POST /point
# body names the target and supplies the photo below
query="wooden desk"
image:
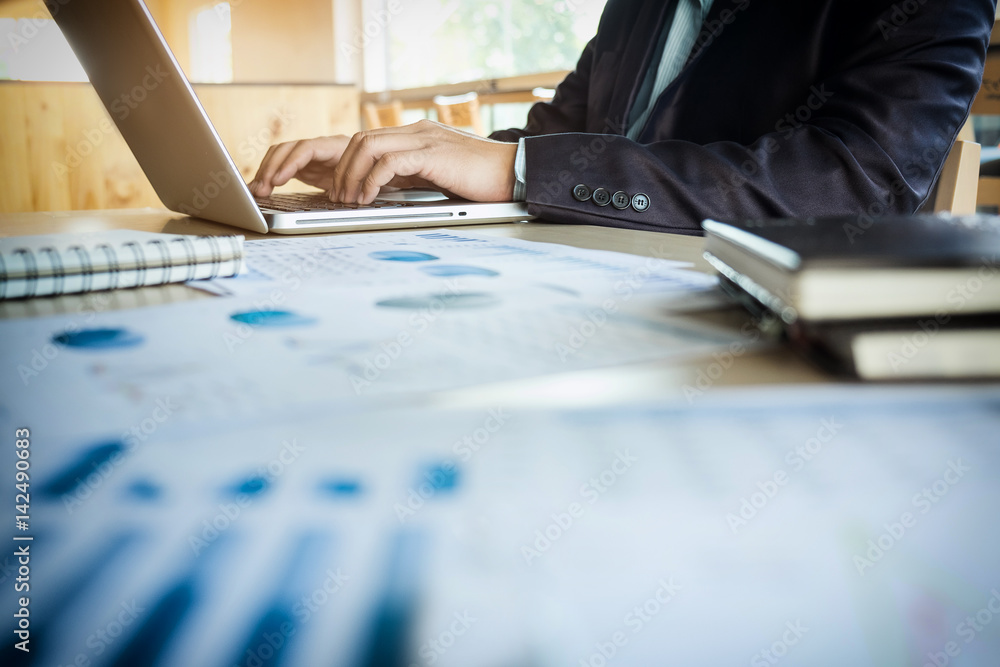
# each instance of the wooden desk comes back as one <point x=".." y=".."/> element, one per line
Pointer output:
<point x="665" y="378"/>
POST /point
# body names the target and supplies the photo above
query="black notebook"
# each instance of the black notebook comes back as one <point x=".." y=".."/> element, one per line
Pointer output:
<point x="906" y="349"/>
<point x="836" y="269"/>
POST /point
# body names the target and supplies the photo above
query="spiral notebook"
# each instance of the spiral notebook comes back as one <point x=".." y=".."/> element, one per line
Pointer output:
<point x="71" y="263"/>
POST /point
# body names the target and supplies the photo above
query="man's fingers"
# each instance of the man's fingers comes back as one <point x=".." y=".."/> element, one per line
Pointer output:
<point x="273" y="159"/>
<point x="255" y="184"/>
<point x="387" y="168"/>
<point x="371" y="144"/>
<point x="361" y="156"/>
<point x="295" y="161"/>
<point x="282" y="162"/>
<point x="336" y="189"/>
<point x="357" y="160"/>
<point x="354" y="169"/>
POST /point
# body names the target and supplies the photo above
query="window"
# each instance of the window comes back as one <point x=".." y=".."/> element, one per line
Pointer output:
<point x="212" y="45"/>
<point x="432" y="42"/>
<point x="34" y="49"/>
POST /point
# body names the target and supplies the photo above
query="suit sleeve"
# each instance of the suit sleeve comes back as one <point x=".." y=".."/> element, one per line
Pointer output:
<point x="877" y="133"/>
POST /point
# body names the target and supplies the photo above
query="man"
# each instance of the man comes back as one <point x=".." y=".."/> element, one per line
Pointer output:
<point x="687" y="109"/>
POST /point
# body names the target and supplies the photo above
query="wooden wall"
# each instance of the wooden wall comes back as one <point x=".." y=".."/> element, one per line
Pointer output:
<point x="62" y="152"/>
<point x="291" y="41"/>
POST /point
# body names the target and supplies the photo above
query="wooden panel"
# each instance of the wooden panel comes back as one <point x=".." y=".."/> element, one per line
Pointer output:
<point x="287" y="42"/>
<point x="17" y="9"/>
<point x="958" y="182"/>
<point x="251" y="118"/>
<point x="173" y="18"/>
<point x="62" y="152"/>
<point x="15" y="183"/>
<point x="45" y="127"/>
<point x="85" y="187"/>
<point x="273" y="42"/>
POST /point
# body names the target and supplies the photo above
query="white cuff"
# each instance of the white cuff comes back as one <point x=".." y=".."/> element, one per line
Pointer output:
<point x="520" y="188"/>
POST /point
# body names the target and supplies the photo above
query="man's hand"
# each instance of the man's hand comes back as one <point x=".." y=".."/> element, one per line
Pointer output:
<point x="310" y="160"/>
<point x="424" y="154"/>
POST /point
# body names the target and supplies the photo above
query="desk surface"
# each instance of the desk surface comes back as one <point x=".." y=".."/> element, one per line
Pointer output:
<point x="663" y="379"/>
<point x="337" y="500"/>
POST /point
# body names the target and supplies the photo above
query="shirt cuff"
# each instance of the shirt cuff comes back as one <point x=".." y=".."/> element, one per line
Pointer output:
<point x="519" y="168"/>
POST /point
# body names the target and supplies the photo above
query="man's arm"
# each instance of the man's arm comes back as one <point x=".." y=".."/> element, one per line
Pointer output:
<point x="352" y="169"/>
<point x="876" y="137"/>
<point x="424" y="154"/>
<point x="879" y="126"/>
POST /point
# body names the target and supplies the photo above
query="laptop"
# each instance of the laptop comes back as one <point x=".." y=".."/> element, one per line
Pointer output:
<point x="152" y="103"/>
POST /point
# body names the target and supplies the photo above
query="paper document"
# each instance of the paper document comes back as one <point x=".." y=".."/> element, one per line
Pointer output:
<point x="394" y="258"/>
<point x="833" y="526"/>
<point x="227" y="357"/>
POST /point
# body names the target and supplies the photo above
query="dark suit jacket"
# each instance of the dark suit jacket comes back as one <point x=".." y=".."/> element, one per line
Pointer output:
<point x="785" y="108"/>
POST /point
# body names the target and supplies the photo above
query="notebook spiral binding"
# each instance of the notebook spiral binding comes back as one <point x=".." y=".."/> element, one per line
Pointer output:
<point x="28" y="268"/>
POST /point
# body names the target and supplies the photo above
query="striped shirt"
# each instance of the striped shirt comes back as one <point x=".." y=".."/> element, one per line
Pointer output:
<point x="682" y="34"/>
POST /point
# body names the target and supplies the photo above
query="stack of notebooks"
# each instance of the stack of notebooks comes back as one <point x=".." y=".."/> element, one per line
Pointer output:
<point x="887" y="298"/>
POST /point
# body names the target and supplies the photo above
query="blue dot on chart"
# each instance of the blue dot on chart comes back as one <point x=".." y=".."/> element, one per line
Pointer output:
<point x="444" y="301"/>
<point x="272" y="318"/>
<point x="401" y="256"/>
<point x="143" y="489"/>
<point x="341" y="488"/>
<point x="441" y="477"/>
<point x="559" y="288"/>
<point x="94" y="460"/>
<point x="251" y="486"/>
<point x="98" y="339"/>
<point x="452" y="270"/>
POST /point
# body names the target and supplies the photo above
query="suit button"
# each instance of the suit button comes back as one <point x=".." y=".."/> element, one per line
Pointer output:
<point x="620" y="199"/>
<point x="581" y="192"/>
<point x="640" y="202"/>
<point x="601" y="197"/>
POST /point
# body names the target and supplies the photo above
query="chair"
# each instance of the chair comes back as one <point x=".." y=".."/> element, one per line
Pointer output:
<point x="382" y="115"/>
<point x="460" y="111"/>
<point x="957" y="188"/>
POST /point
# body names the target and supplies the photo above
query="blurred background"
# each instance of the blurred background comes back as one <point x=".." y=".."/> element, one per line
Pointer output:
<point x="268" y="72"/>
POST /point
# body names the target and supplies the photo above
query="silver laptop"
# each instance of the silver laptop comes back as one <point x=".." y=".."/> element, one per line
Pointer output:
<point x="154" y="107"/>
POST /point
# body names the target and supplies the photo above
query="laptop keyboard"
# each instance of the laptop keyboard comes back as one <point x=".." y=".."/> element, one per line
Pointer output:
<point x="294" y="202"/>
